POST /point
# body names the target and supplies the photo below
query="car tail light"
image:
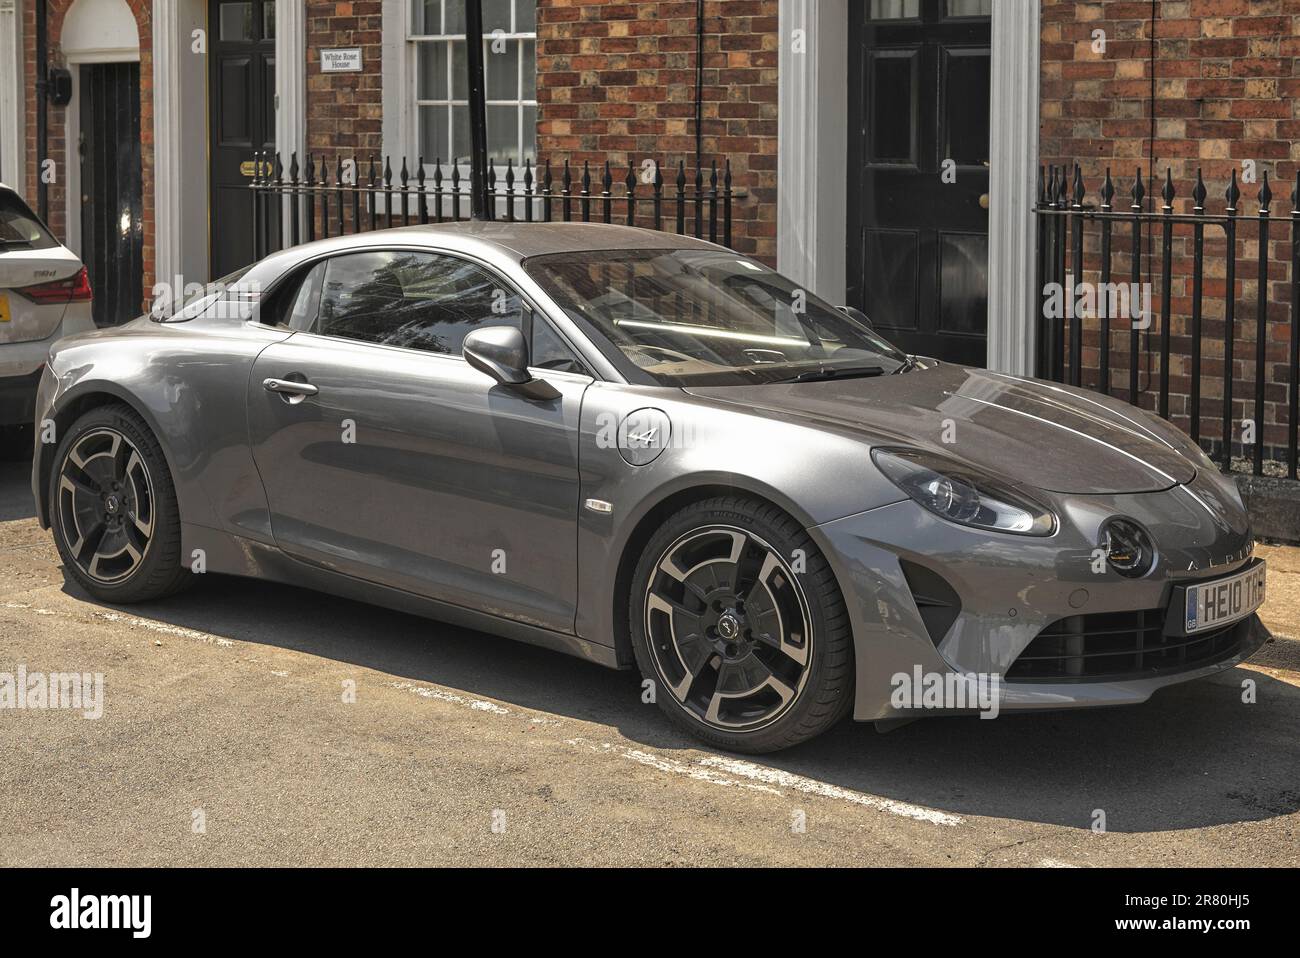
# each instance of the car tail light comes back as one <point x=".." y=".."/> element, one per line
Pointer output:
<point x="74" y="289"/>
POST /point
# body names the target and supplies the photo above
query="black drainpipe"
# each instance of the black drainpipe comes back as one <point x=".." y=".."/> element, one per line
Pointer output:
<point x="699" y="84"/>
<point x="42" y="110"/>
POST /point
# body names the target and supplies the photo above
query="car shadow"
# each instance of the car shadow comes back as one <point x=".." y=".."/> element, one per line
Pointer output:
<point x="1194" y="756"/>
<point x="16" y="500"/>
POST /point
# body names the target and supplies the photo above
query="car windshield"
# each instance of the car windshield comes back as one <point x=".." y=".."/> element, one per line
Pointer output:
<point x="708" y="317"/>
<point x="19" y="227"/>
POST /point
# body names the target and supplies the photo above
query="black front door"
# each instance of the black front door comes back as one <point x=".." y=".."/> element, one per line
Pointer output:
<point x="918" y="175"/>
<point x="112" y="218"/>
<point x="242" y="114"/>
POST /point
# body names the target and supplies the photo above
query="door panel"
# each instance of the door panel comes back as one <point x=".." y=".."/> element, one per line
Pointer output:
<point x="447" y="468"/>
<point x="112" y="211"/>
<point x="918" y="247"/>
<point x="242" y="114"/>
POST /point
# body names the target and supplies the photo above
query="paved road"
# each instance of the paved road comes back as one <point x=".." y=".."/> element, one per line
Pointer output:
<point x="227" y="705"/>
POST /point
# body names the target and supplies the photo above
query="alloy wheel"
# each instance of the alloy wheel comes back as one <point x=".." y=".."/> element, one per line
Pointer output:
<point x="729" y="628"/>
<point x="105" y="505"/>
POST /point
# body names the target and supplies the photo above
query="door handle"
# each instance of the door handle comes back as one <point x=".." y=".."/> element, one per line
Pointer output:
<point x="984" y="201"/>
<point x="290" y="391"/>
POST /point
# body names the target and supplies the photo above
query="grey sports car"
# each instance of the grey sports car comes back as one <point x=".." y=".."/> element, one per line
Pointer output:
<point x="647" y="451"/>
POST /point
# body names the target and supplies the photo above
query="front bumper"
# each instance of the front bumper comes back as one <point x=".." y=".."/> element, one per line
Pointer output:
<point x="1008" y="589"/>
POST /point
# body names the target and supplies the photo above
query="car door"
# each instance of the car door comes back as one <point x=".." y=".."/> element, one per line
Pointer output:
<point x="387" y="457"/>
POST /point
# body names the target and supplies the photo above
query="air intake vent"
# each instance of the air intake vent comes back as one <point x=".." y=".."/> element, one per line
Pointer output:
<point x="934" y="597"/>
<point x="1120" y="645"/>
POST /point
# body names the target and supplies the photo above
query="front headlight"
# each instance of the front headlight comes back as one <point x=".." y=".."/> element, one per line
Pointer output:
<point x="960" y="494"/>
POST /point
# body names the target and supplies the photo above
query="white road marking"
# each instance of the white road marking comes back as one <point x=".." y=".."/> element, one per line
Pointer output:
<point x="138" y="623"/>
<point x="478" y="705"/>
<point x="730" y="772"/>
<point x="810" y="786"/>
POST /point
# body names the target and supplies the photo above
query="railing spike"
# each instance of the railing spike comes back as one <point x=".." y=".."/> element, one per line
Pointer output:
<point x="1168" y="192"/>
<point x="586" y="177"/>
<point x="388" y="171"/>
<point x="1199" y="192"/>
<point x="1107" y="191"/>
<point x="419" y="172"/>
<point x="528" y="175"/>
<point x="510" y="173"/>
<point x="1139" y="190"/>
<point x="405" y="176"/>
<point x="659" y="176"/>
<point x="1265" y="196"/>
<point x="1079" y="191"/>
<point x="372" y="170"/>
<point x="437" y="173"/>
<point x="1233" y="194"/>
<point x="607" y="181"/>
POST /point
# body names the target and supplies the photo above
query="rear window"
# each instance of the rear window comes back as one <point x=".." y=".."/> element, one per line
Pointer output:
<point x="19" y="227"/>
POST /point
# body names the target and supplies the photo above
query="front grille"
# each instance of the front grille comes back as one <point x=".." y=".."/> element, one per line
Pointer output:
<point x="1120" y="645"/>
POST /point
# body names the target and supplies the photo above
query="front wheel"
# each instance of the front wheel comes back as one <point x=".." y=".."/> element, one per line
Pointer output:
<point x="737" y="619"/>
<point x="113" y="509"/>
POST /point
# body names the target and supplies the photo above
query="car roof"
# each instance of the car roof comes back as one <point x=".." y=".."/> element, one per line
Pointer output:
<point x="492" y="241"/>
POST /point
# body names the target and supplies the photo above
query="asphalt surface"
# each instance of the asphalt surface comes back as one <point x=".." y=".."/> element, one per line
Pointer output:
<point x="225" y="707"/>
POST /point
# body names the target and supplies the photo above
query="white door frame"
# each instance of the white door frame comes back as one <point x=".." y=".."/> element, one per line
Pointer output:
<point x="181" y="156"/>
<point x="812" y="175"/>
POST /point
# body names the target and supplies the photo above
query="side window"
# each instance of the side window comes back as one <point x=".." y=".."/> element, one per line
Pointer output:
<point x="415" y="300"/>
<point x="549" y="351"/>
<point x="302" y="311"/>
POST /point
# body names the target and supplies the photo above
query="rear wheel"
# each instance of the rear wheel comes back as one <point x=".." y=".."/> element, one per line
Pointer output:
<point x="113" y="509"/>
<point x="737" y="618"/>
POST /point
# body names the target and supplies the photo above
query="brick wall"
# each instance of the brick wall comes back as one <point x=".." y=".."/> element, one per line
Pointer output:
<point x="617" y="81"/>
<point x="1221" y="85"/>
<point x="57" y="120"/>
<point x="344" y="110"/>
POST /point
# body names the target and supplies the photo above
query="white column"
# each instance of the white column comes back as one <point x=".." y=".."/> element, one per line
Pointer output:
<point x="290" y="89"/>
<point x="13" y="139"/>
<point x="812" y="145"/>
<point x="180" y="150"/>
<point x="1013" y="327"/>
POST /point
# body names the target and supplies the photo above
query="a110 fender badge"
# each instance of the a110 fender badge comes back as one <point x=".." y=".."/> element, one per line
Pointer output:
<point x="643" y="435"/>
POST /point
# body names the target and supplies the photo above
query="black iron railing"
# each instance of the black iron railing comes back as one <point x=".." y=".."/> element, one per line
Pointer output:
<point x="317" y="202"/>
<point x="1132" y="232"/>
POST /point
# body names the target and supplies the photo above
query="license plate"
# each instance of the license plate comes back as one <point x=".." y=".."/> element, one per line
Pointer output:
<point x="4" y="308"/>
<point x="1210" y="605"/>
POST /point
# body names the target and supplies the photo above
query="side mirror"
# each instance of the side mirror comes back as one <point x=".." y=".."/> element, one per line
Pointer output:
<point x="854" y="313"/>
<point x="499" y="351"/>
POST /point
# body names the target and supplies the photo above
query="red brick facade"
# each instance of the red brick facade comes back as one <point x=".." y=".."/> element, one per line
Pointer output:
<point x="345" y="111"/>
<point x="1219" y="81"/>
<point x="617" y="81"/>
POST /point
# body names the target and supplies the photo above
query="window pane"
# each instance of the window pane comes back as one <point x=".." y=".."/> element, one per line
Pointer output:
<point x="433" y="133"/>
<point x="412" y="300"/>
<point x="432" y="71"/>
<point x="502" y="72"/>
<point x="496" y="15"/>
<point x="530" y="133"/>
<point x="525" y="16"/>
<point x="550" y="352"/>
<point x="895" y="9"/>
<point x="503" y="133"/>
<point x="459" y="71"/>
<point x="236" y="21"/>
<point x="268" y="20"/>
<point x="966" y="112"/>
<point x="455" y="17"/>
<point x="530" y="69"/>
<point x="460" y="142"/>
<point x="970" y="8"/>
<point x="426" y="17"/>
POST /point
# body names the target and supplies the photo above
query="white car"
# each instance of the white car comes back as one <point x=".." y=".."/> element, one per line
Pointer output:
<point x="44" y="296"/>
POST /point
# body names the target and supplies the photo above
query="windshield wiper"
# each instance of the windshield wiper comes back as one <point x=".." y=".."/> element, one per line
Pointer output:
<point x="831" y="372"/>
<point x="909" y="363"/>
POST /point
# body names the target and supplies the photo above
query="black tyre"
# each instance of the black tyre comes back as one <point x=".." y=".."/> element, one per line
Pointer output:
<point x="737" y="618"/>
<point x="113" y="509"/>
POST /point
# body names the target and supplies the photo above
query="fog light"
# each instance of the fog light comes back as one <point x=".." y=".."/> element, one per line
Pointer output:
<point x="1128" y="548"/>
